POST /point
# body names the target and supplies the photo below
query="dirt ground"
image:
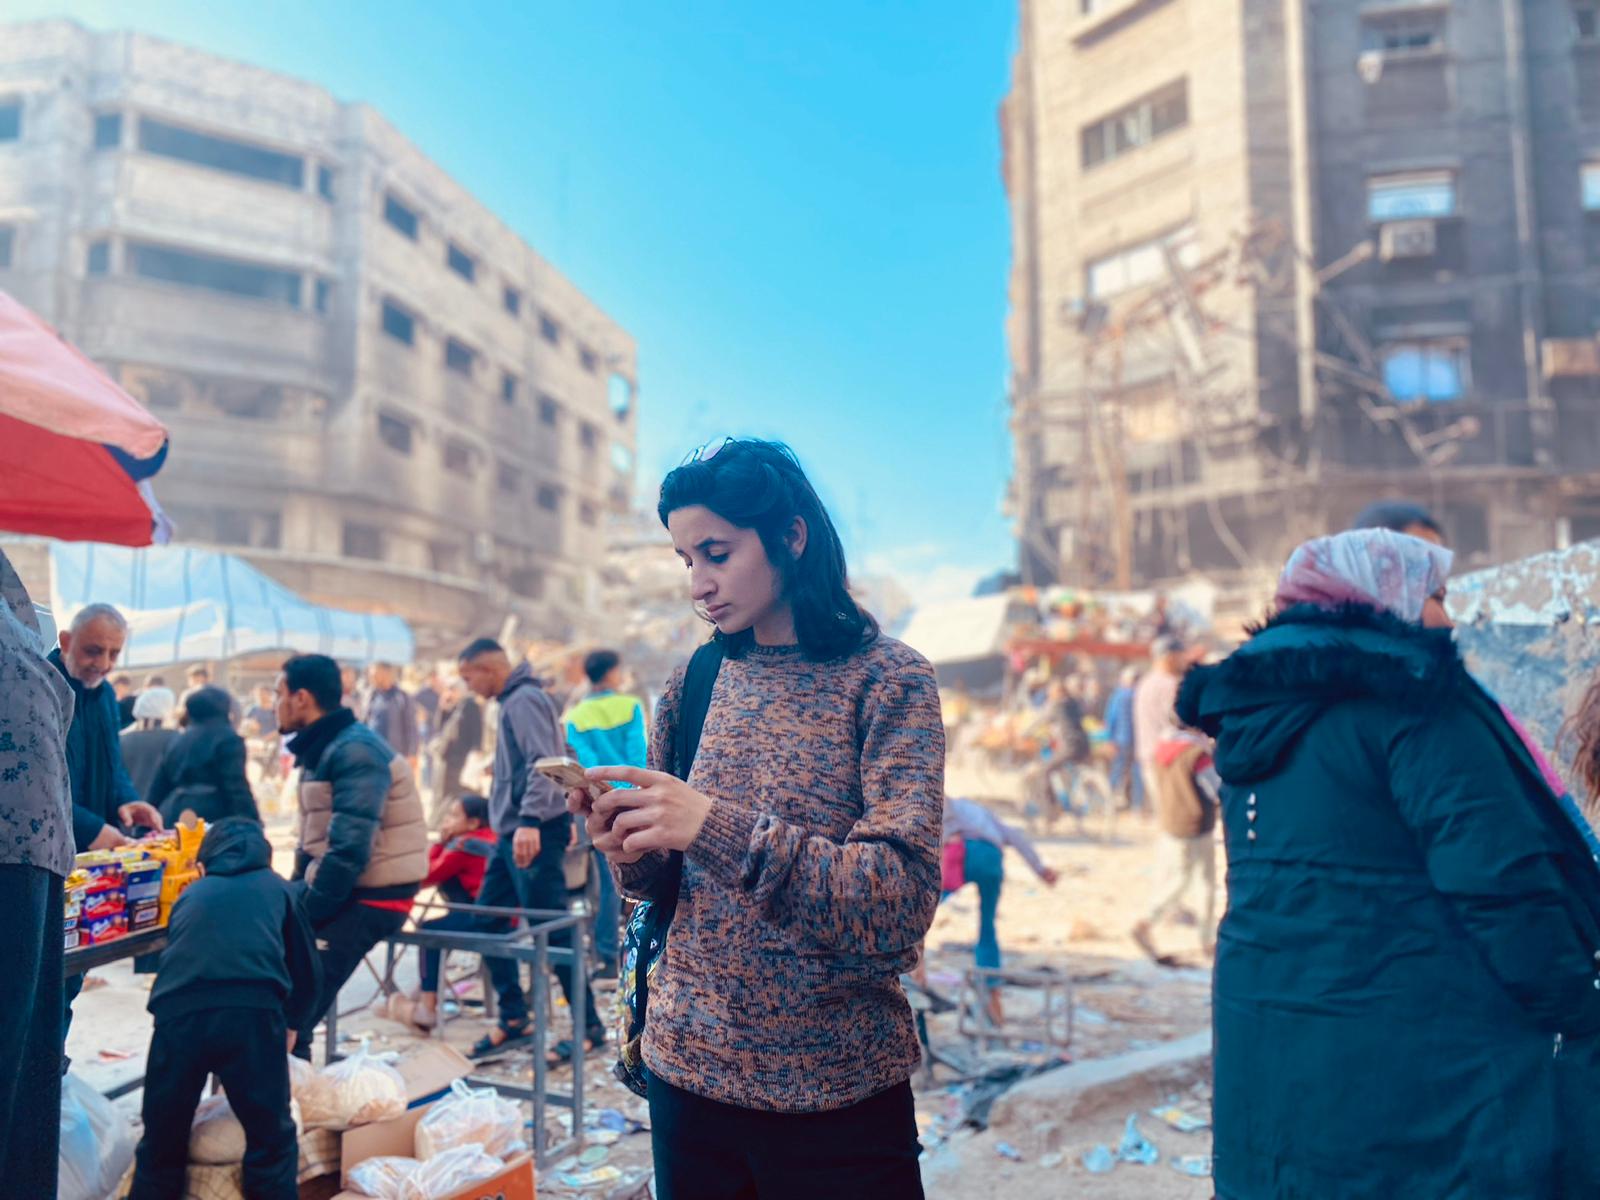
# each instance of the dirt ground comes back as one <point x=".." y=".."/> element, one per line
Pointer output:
<point x="1073" y="934"/>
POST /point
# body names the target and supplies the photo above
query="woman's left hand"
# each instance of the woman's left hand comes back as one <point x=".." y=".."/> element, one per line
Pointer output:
<point x="659" y="812"/>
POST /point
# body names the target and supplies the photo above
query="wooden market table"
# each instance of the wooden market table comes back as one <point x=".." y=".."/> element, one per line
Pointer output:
<point x="130" y="945"/>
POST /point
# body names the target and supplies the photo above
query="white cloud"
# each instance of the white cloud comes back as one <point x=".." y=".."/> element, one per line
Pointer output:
<point x="925" y="575"/>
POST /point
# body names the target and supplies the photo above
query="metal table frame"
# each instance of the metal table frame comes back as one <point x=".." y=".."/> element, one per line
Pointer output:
<point x="529" y="943"/>
<point x="83" y="959"/>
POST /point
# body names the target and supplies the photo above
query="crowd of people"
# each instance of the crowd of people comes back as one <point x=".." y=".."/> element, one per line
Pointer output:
<point x="1407" y="996"/>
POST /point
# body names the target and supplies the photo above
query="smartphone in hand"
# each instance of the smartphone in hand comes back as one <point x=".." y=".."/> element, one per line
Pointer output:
<point x="569" y="773"/>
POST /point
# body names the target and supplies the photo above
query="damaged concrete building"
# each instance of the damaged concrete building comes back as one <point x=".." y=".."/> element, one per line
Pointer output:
<point x="1274" y="259"/>
<point x="377" y="392"/>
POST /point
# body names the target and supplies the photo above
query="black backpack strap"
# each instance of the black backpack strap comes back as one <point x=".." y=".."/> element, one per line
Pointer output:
<point x="698" y="681"/>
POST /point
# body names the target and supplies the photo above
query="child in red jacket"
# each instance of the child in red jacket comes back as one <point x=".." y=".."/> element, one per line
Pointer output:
<point x="455" y="866"/>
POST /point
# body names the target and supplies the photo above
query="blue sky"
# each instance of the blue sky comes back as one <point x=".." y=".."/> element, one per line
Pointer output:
<point x="796" y="209"/>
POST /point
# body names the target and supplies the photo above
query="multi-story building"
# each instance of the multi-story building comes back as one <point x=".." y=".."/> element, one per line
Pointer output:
<point x="376" y="391"/>
<point x="1274" y="259"/>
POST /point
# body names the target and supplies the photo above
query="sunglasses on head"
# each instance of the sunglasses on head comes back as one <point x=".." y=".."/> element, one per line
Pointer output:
<point x="707" y="452"/>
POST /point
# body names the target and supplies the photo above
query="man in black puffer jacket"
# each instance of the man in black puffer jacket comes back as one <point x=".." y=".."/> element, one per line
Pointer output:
<point x="203" y="771"/>
<point x="363" y="845"/>
<point x="239" y="975"/>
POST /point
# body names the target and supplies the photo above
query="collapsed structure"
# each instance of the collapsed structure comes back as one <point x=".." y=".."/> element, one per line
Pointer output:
<point x="1275" y="260"/>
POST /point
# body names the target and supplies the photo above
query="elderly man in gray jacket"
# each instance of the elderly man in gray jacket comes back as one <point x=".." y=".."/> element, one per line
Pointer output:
<point x="35" y="858"/>
<point x="529" y="815"/>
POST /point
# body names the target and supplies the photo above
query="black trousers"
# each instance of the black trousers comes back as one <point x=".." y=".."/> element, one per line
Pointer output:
<point x="341" y="945"/>
<point x="244" y="1047"/>
<point x="705" y="1150"/>
<point x="542" y="885"/>
<point x="30" y="1030"/>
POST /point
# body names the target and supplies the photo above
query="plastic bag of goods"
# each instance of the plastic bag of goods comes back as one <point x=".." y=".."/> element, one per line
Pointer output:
<point x="363" y="1089"/>
<point x="471" y="1115"/>
<point x="97" y="1143"/>
<point x="217" y="1137"/>
<point x="441" y="1177"/>
<point x="381" y="1177"/>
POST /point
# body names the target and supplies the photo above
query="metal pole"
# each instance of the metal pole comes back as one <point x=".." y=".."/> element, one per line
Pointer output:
<point x="1302" y="183"/>
<point x="1530" y="282"/>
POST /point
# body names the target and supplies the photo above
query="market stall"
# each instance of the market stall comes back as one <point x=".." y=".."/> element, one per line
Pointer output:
<point x="185" y="605"/>
<point x="76" y="451"/>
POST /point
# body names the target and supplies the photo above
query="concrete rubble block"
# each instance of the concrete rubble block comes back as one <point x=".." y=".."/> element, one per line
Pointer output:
<point x="1033" y="1113"/>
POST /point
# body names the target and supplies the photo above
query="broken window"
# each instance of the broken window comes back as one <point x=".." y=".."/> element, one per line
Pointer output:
<point x="462" y="263"/>
<point x="459" y="357"/>
<point x="512" y="300"/>
<point x="589" y="360"/>
<point x="1139" y="124"/>
<point x="10" y="120"/>
<point x="508" y="387"/>
<point x="362" y="541"/>
<point x="8" y="243"/>
<point x="107" y="131"/>
<point x="620" y="392"/>
<point x="1426" y="371"/>
<point x="549" y="329"/>
<point x="221" y="153"/>
<point x="1403" y="34"/>
<point x="325" y="183"/>
<point x="399" y="217"/>
<point x="458" y="458"/>
<point x="1409" y="197"/>
<point x="549" y="410"/>
<point x="99" y="262"/>
<point x="398" y="323"/>
<point x="189" y="269"/>
<point x="445" y="557"/>
<point x="527" y="582"/>
<point x="395" y="433"/>
<point x="549" y="497"/>
<point x="1140" y="264"/>
<point x="588" y="435"/>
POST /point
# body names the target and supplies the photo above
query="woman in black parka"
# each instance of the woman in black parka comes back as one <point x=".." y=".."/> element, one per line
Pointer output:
<point x="204" y="770"/>
<point x="1407" y="994"/>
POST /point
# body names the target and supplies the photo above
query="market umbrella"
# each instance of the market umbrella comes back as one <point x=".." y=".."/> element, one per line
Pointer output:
<point x="76" y="451"/>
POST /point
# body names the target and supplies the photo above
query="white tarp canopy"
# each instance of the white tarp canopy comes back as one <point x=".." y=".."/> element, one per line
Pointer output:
<point x="956" y="631"/>
<point x="184" y="604"/>
<point x="1544" y="590"/>
<point x="1530" y="631"/>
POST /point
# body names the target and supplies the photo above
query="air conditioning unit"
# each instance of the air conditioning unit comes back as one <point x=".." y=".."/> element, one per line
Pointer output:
<point x="1408" y="239"/>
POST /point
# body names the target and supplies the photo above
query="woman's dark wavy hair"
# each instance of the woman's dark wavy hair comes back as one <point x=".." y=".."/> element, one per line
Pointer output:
<point x="759" y="485"/>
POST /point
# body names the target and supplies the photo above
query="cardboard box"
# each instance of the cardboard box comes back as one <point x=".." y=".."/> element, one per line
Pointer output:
<point x="428" y="1069"/>
<point x="398" y="1138"/>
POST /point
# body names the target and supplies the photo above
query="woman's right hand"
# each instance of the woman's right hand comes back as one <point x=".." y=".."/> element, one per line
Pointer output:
<point x="608" y="841"/>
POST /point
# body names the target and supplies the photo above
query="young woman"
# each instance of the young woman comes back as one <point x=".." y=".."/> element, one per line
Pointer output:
<point x="1407" y="997"/>
<point x="778" y="1042"/>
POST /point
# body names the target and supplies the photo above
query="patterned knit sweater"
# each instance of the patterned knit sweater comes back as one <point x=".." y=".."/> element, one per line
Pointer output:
<point x="807" y="891"/>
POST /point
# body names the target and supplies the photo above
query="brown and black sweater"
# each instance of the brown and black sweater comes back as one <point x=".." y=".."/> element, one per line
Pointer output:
<point x="806" y="893"/>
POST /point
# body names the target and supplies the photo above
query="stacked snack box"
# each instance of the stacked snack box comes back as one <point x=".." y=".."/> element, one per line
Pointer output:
<point x="111" y="893"/>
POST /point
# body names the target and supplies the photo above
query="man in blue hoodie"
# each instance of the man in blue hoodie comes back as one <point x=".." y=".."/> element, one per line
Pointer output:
<point x="607" y="729"/>
<point x="239" y="976"/>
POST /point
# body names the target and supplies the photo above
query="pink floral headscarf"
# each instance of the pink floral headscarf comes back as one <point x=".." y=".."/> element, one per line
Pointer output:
<point x="1390" y="571"/>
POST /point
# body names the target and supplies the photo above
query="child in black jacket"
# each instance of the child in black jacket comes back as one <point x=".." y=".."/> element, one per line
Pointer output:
<point x="239" y="974"/>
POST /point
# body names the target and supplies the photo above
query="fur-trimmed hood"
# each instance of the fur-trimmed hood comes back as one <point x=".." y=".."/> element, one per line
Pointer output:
<point x="1259" y="701"/>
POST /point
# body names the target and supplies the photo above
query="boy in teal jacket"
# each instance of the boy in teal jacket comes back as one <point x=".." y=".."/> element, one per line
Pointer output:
<point x="607" y="729"/>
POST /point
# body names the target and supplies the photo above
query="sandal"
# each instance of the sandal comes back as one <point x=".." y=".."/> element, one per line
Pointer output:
<point x="562" y="1053"/>
<point x="516" y="1037"/>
